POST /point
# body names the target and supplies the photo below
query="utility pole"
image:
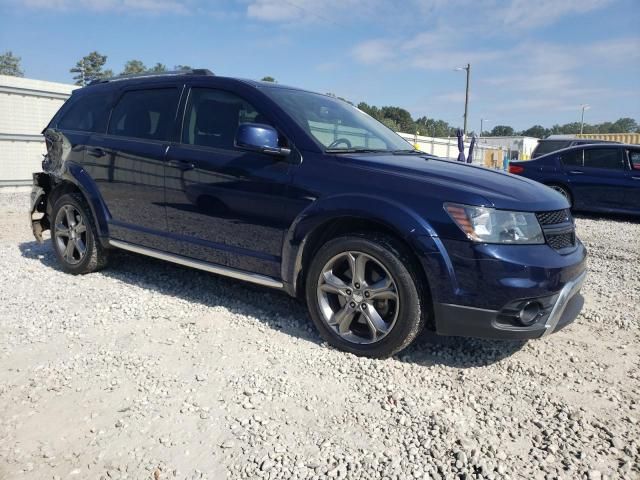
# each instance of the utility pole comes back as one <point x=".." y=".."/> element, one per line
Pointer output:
<point x="467" y="67"/>
<point x="585" y="106"/>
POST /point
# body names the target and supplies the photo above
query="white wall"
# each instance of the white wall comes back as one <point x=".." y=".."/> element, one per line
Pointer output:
<point x="445" y="147"/>
<point x="26" y="106"/>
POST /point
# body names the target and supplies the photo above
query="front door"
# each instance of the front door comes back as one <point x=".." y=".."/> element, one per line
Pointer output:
<point x="225" y="205"/>
<point x="128" y="164"/>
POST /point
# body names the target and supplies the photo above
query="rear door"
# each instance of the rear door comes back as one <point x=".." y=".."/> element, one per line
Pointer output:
<point x="129" y="163"/>
<point x="597" y="178"/>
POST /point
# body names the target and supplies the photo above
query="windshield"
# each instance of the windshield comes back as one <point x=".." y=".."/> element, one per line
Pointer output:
<point x="335" y="124"/>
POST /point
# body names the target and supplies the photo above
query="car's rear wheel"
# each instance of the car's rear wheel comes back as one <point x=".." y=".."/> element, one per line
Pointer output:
<point x="562" y="191"/>
<point x="74" y="237"/>
<point x="363" y="295"/>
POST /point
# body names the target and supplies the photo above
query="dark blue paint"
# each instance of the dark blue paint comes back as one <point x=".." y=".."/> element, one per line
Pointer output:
<point x="255" y="211"/>
<point x="256" y="136"/>
<point x="591" y="189"/>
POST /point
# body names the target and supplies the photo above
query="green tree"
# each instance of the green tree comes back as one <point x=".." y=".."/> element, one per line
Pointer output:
<point x="431" y="127"/>
<point x="401" y="117"/>
<point x="502" y="131"/>
<point x="10" y="64"/>
<point x="158" y="68"/>
<point x="133" y="67"/>
<point x="181" y="68"/>
<point x="268" y="79"/>
<point x="91" y="65"/>
<point x="390" y="123"/>
<point x="625" y="125"/>
<point x="537" y="131"/>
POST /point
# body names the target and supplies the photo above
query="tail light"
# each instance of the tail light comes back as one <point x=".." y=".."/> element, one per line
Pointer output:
<point x="517" y="169"/>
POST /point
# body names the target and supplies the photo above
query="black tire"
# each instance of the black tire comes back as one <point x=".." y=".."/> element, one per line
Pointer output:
<point x="95" y="256"/>
<point x="411" y="311"/>
<point x="564" y="192"/>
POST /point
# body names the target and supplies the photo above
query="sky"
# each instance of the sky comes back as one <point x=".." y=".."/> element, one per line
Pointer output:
<point x="532" y="61"/>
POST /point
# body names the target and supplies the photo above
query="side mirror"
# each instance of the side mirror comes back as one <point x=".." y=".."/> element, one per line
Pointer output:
<point x="259" y="137"/>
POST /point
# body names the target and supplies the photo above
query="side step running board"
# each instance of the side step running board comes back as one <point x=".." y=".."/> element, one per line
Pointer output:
<point x="207" y="267"/>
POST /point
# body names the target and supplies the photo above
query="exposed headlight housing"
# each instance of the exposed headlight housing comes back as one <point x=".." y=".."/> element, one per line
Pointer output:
<point x="488" y="225"/>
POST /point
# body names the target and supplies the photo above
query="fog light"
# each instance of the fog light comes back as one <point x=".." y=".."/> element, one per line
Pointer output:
<point x="530" y="313"/>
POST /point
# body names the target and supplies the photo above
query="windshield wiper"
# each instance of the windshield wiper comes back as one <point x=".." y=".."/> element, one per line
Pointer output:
<point x="355" y="150"/>
<point x="411" y="151"/>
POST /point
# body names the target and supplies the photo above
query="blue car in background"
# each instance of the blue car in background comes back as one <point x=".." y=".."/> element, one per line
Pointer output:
<point x="596" y="177"/>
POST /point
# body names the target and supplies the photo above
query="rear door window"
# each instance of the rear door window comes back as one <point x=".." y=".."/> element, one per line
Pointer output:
<point x="572" y="158"/>
<point x="607" y="158"/>
<point x="634" y="159"/>
<point x="89" y="113"/>
<point x="146" y="114"/>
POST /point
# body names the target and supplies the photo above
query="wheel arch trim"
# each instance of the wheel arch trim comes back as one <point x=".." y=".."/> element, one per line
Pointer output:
<point x="386" y="213"/>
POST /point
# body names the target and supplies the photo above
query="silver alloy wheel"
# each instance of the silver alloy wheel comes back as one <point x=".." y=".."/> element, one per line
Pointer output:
<point x="358" y="297"/>
<point x="70" y="234"/>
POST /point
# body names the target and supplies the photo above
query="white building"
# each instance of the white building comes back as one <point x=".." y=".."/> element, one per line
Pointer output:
<point x="517" y="147"/>
<point x="26" y="106"/>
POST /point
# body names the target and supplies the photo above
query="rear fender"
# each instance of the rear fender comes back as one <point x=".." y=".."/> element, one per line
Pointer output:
<point x="62" y="175"/>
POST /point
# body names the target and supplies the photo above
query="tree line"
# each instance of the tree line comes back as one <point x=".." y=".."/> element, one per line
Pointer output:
<point x="92" y="67"/>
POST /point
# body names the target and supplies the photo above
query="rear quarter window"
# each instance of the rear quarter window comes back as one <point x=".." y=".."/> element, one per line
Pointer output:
<point x="88" y="113"/>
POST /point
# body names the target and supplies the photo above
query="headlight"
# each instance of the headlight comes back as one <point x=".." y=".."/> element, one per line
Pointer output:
<point x="488" y="225"/>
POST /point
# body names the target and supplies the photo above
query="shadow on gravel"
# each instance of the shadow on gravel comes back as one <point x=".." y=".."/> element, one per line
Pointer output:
<point x="273" y="308"/>
<point x="616" y="217"/>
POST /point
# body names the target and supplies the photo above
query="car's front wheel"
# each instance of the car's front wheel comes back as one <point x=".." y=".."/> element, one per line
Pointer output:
<point x="364" y="296"/>
<point x="74" y="237"/>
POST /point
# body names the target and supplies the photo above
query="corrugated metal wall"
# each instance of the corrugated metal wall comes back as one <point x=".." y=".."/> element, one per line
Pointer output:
<point x="630" y="138"/>
<point x="26" y="106"/>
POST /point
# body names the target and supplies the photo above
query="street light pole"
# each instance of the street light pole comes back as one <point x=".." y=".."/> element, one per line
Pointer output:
<point x="585" y="106"/>
<point x="467" y="67"/>
<point x="482" y="125"/>
<point x="466" y="99"/>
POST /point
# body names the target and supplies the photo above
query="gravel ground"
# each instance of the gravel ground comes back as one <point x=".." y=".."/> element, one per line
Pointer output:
<point x="152" y="371"/>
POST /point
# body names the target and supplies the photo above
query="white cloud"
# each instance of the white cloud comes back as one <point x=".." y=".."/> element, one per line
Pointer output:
<point x="305" y="11"/>
<point x="135" y="6"/>
<point x="528" y="14"/>
<point x="374" y="51"/>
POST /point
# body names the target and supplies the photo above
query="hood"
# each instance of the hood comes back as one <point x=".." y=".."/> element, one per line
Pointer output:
<point x="463" y="182"/>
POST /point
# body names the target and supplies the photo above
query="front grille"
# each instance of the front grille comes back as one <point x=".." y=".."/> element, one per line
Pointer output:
<point x="561" y="240"/>
<point x="558" y="228"/>
<point x="554" y="217"/>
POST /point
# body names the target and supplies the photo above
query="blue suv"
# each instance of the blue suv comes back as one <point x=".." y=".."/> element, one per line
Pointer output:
<point x="304" y="193"/>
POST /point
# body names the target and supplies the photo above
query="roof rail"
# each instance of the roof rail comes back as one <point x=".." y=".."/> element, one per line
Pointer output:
<point x="191" y="71"/>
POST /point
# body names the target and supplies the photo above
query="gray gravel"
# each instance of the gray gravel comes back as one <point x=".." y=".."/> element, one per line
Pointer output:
<point x="153" y="371"/>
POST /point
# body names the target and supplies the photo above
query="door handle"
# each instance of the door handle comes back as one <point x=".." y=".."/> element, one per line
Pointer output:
<point x="181" y="164"/>
<point x="96" y="152"/>
<point x="636" y="178"/>
<point x="576" y="172"/>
